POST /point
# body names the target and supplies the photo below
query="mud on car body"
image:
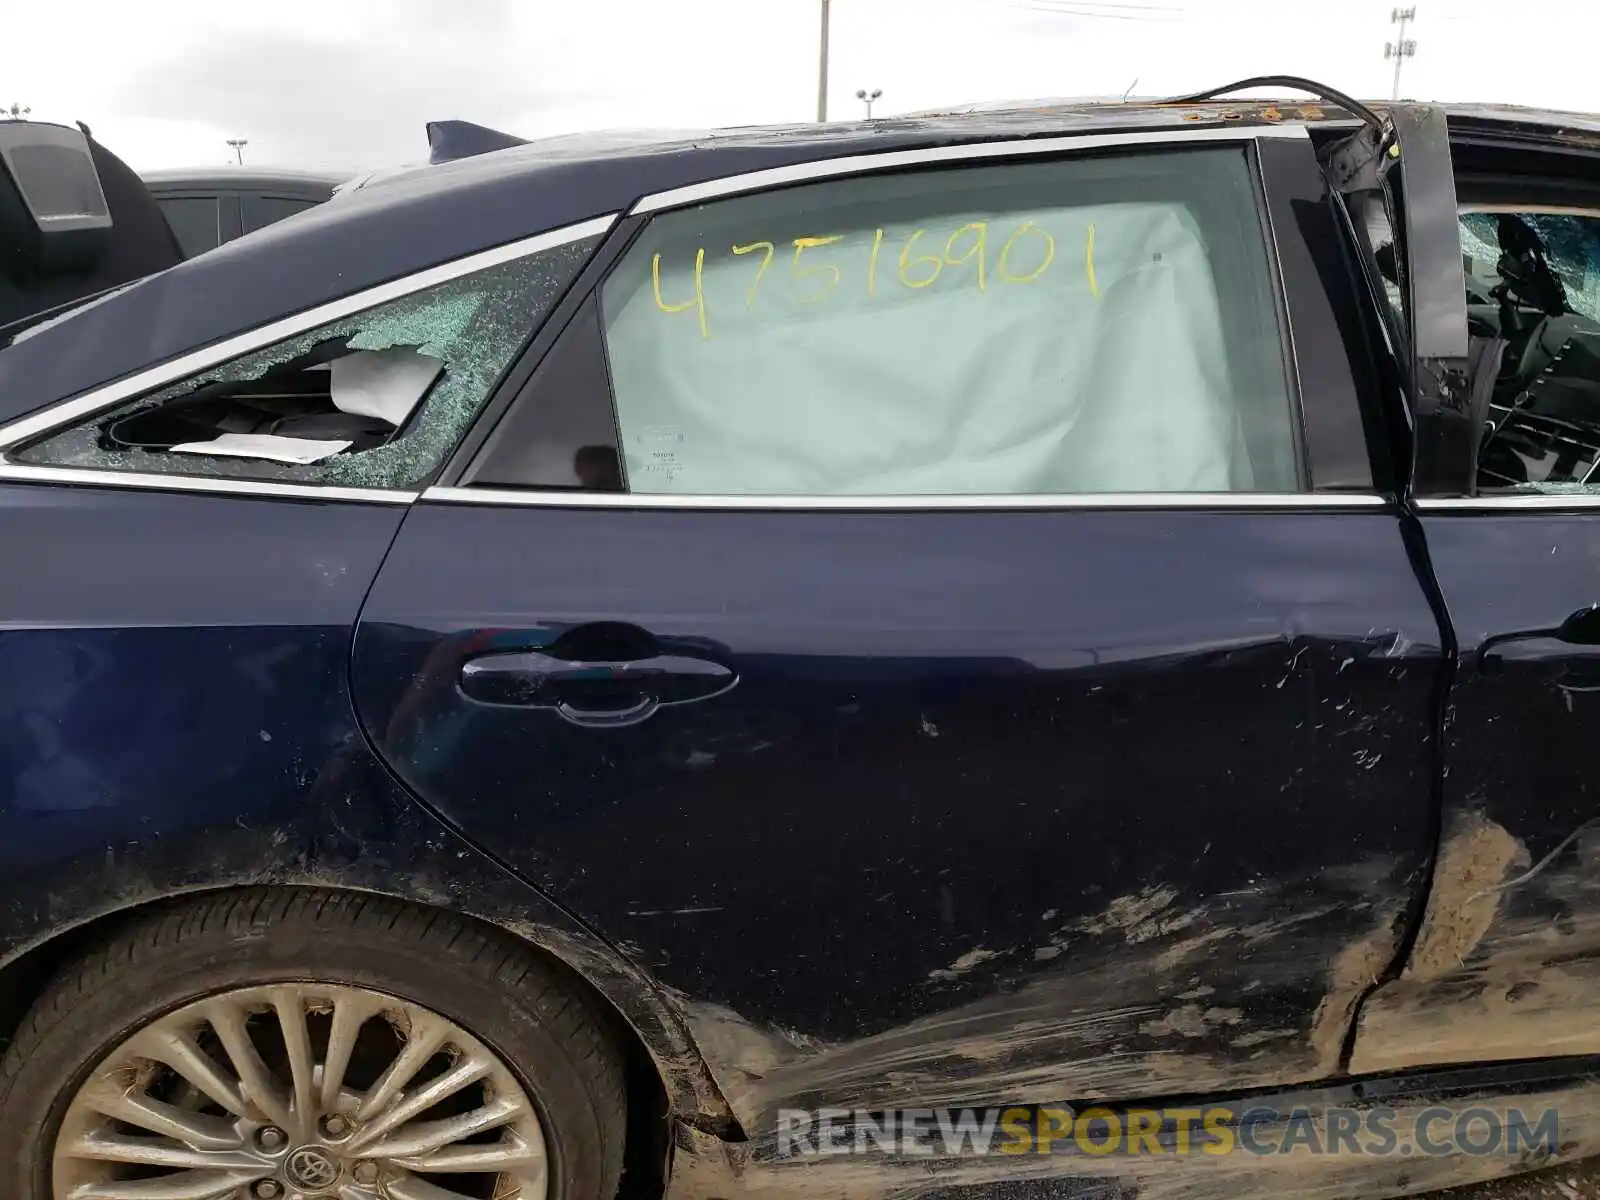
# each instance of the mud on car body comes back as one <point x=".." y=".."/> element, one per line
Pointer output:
<point x="516" y="680"/>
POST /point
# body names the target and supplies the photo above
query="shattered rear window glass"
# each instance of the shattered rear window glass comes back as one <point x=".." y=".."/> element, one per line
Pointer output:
<point x="377" y="399"/>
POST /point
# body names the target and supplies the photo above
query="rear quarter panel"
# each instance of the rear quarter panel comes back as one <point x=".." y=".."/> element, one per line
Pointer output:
<point x="175" y="716"/>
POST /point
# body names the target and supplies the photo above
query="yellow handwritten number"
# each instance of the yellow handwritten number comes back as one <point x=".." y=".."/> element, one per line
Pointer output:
<point x="801" y="245"/>
<point x="978" y="249"/>
<point x="766" y="261"/>
<point x="1002" y="266"/>
<point x="699" y="301"/>
<point x="1088" y="262"/>
<point x="906" y="260"/>
<point x="872" y="263"/>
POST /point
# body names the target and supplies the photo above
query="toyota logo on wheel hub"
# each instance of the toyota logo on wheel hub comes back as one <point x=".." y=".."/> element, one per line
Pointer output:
<point x="309" y="1167"/>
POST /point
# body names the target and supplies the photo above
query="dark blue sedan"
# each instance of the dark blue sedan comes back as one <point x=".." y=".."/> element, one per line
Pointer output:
<point x="697" y="667"/>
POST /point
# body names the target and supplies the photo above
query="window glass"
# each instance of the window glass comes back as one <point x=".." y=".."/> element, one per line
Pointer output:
<point x="1098" y="325"/>
<point x="194" y="222"/>
<point x="1533" y="284"/>
<point x="559" y="432"/>
<point x="260" y="211"/>
<point x="1373" y="214"/>
<point x="1569" y="243"/>
<point x="376" y="399"/>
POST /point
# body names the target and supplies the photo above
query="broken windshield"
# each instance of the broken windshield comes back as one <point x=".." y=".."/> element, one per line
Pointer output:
<point x="1533" y="294"/>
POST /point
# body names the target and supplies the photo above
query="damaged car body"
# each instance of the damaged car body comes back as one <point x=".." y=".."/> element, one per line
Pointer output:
<point x="520" y="681"/>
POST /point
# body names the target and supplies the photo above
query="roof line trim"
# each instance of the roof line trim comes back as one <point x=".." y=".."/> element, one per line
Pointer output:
<point x="65" y="412"/>
<point x="888" y="160"/>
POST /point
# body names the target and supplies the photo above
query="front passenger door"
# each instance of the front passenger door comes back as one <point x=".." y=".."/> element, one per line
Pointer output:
<point x="1506" y="963"/>
<point x="901" y="610"/>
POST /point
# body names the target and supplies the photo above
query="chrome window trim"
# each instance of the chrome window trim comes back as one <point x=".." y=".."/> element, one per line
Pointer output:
<point x="1536" y="502"/>
<point x="66" y="412"/>
<point x="1543" y="210"/>
<point x="91" y="477"/>
<point x="888" y="160"/>
<point x="509" y="498"/>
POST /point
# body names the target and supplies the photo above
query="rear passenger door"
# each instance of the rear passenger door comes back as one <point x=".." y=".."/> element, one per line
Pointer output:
<point x="941" y="625"/>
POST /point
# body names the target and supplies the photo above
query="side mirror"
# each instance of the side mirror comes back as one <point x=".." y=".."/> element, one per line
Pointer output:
<point x="53" y="211"/>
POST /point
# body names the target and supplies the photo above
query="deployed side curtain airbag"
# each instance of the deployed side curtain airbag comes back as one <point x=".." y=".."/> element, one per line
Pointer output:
<point x="1054" y="350"/>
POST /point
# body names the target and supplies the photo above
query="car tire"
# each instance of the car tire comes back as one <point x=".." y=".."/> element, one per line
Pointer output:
<point x="230" y="949"/>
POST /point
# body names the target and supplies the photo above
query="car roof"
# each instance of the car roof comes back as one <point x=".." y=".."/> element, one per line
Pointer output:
<point x="207" y="178"/>
<point x="411" y="219"/>
<point x="1523" y="115"/>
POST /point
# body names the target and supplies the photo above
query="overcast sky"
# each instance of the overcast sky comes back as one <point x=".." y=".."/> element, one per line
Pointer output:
<point x="349" y="83"/>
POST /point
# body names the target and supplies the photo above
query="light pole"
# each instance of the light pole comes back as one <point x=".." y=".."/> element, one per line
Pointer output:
<point x="867" y="98"/>
<point x="238" y="145"/>
<point x="1402" y="48"/>
<point x="822" y="67"/>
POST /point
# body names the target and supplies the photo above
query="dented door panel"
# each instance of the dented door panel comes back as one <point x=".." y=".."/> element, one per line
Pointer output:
<point x="1507" y="962"/>
<point x="1003" y="805"/>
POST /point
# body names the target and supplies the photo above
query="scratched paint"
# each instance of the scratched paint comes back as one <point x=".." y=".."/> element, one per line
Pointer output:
<point x="705" y="1169"/>
<point x="1208" y="1002"/>
<point x="1507" y="963"/>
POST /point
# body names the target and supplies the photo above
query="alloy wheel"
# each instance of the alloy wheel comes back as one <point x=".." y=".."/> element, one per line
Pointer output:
<point x="301" y="1091"/>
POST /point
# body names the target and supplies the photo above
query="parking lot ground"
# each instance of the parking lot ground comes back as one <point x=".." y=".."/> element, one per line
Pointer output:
<point x="1571" y="1182"/>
